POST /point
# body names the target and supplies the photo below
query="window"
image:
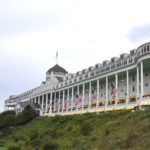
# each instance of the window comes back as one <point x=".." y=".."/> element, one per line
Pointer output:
<point x="92" y="74"/>
<point x="125" y="62"/>
<point x="101" y="86"/>
<point x="130" y="60"/>
<point x="119" y="64"/>
<point x="132" y="52"/>
<point x="112" y="66"/>
<point x="146" y="74"/>
<point x="144" y="48"/>
<point x="80" y="78"/>
<point x="96" y="66"/>
<point x="146" y="84"/>
<point x="122" y="56"/>
<point x="133" y="89"/>
<point x="112" y="60"/>
<point x="133" y="79"/>
<point x="147" y="47"/>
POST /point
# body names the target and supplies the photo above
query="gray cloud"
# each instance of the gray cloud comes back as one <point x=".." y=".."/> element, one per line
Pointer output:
<point x="22" y="17"/>
<point x="19" y="24"/>
<point x="139" y="32"/>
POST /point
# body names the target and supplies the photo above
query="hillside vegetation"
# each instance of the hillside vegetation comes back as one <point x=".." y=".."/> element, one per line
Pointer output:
<point x="122" y="130"/>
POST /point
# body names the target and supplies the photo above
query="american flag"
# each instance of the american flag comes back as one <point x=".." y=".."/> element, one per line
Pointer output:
<point x="77" y="99"/>
<point x="113" y="92"/>
<point x="65" y="103"/>
<point x="48" y="105"/>
<point x="93" y="95"/>
<point x="57" y="103"/>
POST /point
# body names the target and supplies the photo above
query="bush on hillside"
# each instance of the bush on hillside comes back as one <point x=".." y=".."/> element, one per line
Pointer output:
<point x="26" y="116"/>
<point x="7" y="119"/>
<point x="13" y="147"/>
<point x="50" y="146"/>
<point x="86" y="128"/>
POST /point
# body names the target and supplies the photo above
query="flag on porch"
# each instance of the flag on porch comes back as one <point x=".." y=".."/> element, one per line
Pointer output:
<point x="93" y="95"/>
<point x="65" y="103"/>
<point x="113" y="91"/>
<point x="77" y="100"/>
<point x="57" y="103"/>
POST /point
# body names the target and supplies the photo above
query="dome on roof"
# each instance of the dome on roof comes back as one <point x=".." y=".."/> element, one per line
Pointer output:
<point x="57" y="68"/>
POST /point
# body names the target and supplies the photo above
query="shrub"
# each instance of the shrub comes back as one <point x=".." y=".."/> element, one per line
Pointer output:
<point x="33" y="134"/>
<point x="7" y="119"/>
<point x="26" y="116"/>
<point x="14" y="147"/>
<point x="50" y="146"/>
<point x="86" y="128"/>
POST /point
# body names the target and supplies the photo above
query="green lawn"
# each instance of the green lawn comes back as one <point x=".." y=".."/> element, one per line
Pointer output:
<point x="3" y="148"/>
<point x="122" y="130"/>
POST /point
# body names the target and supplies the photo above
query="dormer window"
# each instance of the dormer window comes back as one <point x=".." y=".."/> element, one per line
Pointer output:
<point x="132" y="52"/>
<point x="112" y="60"/>
<point x="104" y="63"/>
<point x="147" y="47"/>
<point x="96" y="66"/>
<point x="89" y="68"/>
<point x="144" y="48"/>
<point x="122" y="56"/>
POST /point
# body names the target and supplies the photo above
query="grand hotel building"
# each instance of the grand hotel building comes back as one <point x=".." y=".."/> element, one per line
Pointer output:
<point x="121" y="83"/>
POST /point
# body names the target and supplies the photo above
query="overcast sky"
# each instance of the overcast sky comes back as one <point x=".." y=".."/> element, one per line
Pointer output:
<point x="84" y="32"/>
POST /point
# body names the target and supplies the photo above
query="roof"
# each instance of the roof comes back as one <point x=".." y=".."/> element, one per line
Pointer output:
<point x="23" y="104"/>
<point x="59" y="79"/>
<point x="57" y="68"/>
<point x="35" y="105"/>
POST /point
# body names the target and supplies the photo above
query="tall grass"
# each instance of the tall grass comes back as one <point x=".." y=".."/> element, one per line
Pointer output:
<point x="122" y="130"/>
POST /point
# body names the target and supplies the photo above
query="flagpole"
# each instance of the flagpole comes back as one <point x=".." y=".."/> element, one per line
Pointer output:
<point x="57" y="60"/>
<point x="57" y="57"/>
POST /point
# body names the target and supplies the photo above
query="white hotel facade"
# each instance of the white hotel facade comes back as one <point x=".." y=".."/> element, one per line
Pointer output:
<point x="90" y="90"/>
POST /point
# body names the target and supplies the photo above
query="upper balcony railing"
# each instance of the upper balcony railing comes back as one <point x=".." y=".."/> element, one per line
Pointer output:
<point x="109" y="66"/>
<point x="143" y="49"/>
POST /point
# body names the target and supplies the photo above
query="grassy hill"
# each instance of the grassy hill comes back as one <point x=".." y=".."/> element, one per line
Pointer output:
<point x="121" y="130"/>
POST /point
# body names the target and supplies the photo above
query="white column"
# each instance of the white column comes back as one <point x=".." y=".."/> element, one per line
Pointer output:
<point x="78" y="90"/>
<point x="137" y="78"/>
<point x="106" y="103"/>
<point x="89" y="95"/>
<point x="55" y="102"/>
<point x="51" y="97"/>
<point x="78" y="95"/>
<point x="42" y="104"/>
<point x="72" y="98"/>
<point x="83" y="96"/>
<point x="63" y="101"/>
<point x="68" y="99"/>
<point x="59" y="103"/>
<point x="142" y="88"/>
<point x="38" y="99"/>
<point x="116" y="80"/>
<point x="97" y="97"/>
<point x="127" y="96"/>
<point x="46" y="103"/>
